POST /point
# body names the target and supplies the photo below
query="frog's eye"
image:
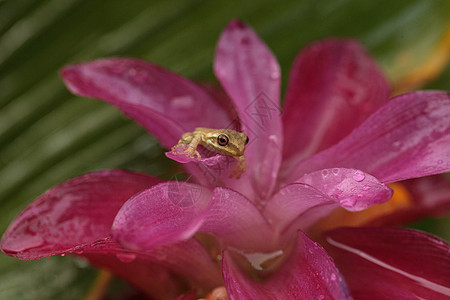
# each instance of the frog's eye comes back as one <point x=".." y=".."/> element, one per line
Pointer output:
<point x="246" y="141"/>
<point x="222" y="140"/>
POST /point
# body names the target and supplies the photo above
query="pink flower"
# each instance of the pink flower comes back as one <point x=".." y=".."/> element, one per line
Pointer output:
<point x="338" y="142"/>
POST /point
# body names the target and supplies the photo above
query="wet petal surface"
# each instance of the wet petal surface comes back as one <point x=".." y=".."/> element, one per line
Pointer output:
<point x="406" y="138"/>
<point x="316" y="195"/>
<point x="73" y="214"/>
<point x="166" y="104"/>
<point x="385" y="263"/>
<point x="167" y="213"/>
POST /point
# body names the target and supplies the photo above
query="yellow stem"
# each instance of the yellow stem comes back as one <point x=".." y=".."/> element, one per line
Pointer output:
<point x="100" y="286"/>
<point x="429" y="69"/>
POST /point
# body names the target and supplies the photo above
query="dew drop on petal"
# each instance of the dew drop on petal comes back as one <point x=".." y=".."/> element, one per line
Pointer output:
<point x="333" y="277"/>
<point x="126" y="257"/>
<point x="335" y="171"/>
<point x="359" y="176"/>
<point x="63" y="254"/>
<point x="324" y="173"/>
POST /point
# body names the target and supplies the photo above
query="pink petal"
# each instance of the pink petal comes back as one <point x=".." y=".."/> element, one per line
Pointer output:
<point x="251" y="76"/>
<point x="165" y="214"/>
<point x="175" y="211"/>
<point x="73" y="214"/>
<point x="406" y="138"/>
<point x="237" y="222"/>
<point x="166" y="104"/>
<point x="352" y="189"/>
<point x="309" y="273"/>
<point x="391" y="263"/>
<point x="334" y="85"/>
<point x="315" y="195"/>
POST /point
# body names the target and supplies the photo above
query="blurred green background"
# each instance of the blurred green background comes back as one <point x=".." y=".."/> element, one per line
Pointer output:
<point x="47" y="135"/>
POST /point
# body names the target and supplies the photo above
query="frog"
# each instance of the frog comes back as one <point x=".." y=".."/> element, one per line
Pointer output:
<point x="223" y="141"/>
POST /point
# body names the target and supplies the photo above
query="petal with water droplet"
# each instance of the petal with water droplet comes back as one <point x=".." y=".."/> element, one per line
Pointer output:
<point x="75" y="213"/>
<point x="316" y="195"/>
<point x="418" y="121"/>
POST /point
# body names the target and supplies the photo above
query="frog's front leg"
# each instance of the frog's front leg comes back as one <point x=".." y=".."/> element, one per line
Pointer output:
<point x="240" y="167"/>
<point x="189" y="143"/>
<point x="192" y="147"/>
<point x="185" y="140"/>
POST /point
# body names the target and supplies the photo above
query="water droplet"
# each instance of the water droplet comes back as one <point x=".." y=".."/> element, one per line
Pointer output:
<point x="126" y="257"/>
<point x="440" y="161"/>
<point x="63" y="254"/>
<point x="335" y="171"/>
<point x="325" y="173"/>
<point x="366" y="188"/>
<point x="333" y="277"/>
<point x="359" y="176"/>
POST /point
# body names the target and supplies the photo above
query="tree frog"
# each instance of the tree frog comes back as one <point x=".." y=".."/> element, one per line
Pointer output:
<point x="223" y="141"/>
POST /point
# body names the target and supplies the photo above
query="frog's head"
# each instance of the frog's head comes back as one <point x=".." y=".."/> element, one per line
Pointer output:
<point x="227" y="141"/>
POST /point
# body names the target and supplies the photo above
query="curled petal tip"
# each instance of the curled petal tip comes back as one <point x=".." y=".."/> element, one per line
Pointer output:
<point x="236" y="24"/>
